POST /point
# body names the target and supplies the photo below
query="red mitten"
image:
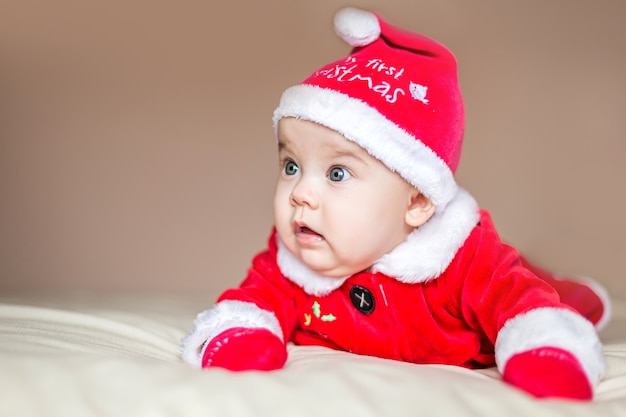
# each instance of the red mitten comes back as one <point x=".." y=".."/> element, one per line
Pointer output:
<point x="548" y="372"/>
<point x="243" y="349"/>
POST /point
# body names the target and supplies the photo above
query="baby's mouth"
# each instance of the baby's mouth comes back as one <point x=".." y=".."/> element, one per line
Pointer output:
<point x="303" y="232"/>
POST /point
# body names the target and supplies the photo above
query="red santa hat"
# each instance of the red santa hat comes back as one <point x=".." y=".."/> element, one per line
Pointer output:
<point x="396" y="95"/>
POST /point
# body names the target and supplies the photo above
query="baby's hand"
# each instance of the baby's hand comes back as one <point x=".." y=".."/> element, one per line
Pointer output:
<point x="242" y="349"/>
<point x="548" y="372"/>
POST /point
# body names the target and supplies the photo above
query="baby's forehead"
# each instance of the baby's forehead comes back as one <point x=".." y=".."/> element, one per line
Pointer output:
<point x="296" y="135"/>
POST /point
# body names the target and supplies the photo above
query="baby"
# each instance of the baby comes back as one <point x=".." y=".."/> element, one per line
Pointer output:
<point x="375" y="248"/>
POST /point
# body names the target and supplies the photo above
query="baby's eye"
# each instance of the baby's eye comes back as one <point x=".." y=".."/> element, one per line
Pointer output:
<point x="291" y="168"/>
<point x="338" y="174"/>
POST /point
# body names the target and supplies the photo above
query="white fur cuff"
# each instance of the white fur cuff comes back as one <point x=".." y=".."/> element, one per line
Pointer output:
<point x="553" y="327"/>
<point x="225" y="315"/>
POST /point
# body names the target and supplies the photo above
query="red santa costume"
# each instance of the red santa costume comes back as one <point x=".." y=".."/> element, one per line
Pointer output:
<point x="452" y="292"/>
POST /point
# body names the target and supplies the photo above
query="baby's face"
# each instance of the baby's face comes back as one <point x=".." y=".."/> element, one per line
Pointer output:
<point x="336" y="208"/>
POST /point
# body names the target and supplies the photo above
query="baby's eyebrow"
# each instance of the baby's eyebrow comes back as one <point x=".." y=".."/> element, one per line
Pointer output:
<point x="330" y="152"/>
<point x="344" y="153"/>
<point x="282" y="146"/>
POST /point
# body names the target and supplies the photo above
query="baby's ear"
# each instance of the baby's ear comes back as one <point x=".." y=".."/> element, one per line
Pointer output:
<point x="419" y="210"/>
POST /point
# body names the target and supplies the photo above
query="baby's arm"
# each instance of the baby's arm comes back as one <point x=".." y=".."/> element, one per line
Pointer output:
<point x="548" y="349"/>
<point x="248" y="326"/>
<point x="541" y="345"/>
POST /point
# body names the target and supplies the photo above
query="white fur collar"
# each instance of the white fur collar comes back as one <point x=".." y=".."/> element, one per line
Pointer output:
<point x="423" y="256"/>
<point x="299" y="273"/>
<point x="428" y="250"/>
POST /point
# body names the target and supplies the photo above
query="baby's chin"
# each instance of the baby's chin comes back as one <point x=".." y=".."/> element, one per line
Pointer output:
<point x="314" y="260"/>
<point x="338" y="272"/>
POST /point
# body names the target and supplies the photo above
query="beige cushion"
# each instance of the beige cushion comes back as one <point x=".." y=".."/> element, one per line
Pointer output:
<point x="118" y="355"/>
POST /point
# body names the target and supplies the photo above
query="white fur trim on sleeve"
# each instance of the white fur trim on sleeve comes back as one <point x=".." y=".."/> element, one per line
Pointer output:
<point x="554" y="327"/>
<point x="225" y="315"/>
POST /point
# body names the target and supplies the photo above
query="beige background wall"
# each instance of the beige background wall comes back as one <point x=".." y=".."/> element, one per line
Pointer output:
<point x="136" y="149"/>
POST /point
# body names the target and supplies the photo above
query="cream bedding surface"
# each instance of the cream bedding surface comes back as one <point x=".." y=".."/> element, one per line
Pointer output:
<point x="118" y="355"/>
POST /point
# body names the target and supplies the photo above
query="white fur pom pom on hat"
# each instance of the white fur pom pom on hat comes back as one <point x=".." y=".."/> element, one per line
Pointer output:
<point x="356" y="27"/>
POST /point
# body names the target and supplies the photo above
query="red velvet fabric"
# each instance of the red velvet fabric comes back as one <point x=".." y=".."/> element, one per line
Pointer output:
<point x="548" y="372"/>
<point x="453" y="319"/>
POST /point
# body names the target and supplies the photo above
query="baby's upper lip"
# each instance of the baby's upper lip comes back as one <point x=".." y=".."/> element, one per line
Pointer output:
<point x="302" y="227"/>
